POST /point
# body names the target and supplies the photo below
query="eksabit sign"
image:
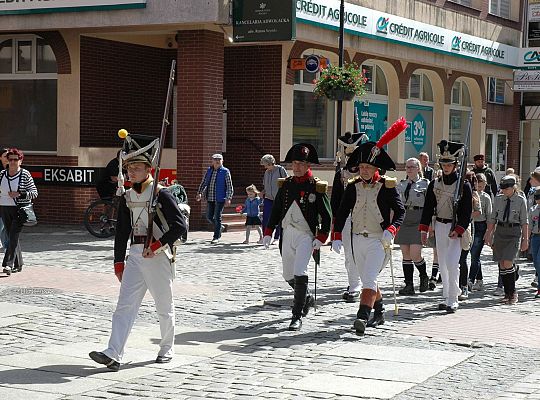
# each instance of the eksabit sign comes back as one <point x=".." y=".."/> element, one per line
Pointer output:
<point x="263" y="20"/>
<point x="14" y="7"/>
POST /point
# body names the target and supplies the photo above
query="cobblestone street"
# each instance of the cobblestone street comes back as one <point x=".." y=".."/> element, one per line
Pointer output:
<point x="232" y="312"/>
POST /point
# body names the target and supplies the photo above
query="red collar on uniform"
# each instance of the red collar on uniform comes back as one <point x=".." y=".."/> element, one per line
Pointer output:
<point x="305" y="178"/>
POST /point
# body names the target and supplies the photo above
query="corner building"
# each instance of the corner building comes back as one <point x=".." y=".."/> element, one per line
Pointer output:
<point x="73" y="73"/>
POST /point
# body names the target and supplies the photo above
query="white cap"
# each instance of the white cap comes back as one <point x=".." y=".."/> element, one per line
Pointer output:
<point x="217" y="156"/>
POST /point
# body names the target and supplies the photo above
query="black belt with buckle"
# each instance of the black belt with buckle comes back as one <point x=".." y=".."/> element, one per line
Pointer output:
<point x="138" y="240"/>
<point x="508" y="224"/>
<point x="364" y="234"/>
<point x="443" y="220"/>
<point x="413" y="208"/>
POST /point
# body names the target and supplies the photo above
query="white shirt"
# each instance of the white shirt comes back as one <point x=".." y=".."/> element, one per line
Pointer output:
<point x="5" y="200"/>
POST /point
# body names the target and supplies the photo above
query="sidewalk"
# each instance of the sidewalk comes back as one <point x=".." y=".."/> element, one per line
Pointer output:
<point x="232" y="313"/>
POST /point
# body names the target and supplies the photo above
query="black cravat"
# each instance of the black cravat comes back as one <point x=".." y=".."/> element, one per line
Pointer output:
<point x="506" y="214"/>
<point x="408" y="190"/>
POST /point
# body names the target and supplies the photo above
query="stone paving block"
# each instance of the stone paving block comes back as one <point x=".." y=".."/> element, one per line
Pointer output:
<point x="347" y="386"/>
<point x="392" y="371"/>
<point x="9" y="321"/>
<point x="11" y="309"/>
<point x="47" y="382"/>
<point x="20" y="394"/>
<point x="400" y="354"/>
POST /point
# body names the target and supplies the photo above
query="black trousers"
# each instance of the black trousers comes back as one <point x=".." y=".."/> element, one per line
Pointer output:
<point x="13" y="254"/>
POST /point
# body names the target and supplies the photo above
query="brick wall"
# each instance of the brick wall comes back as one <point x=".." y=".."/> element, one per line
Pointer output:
<point x="252" y="87"/>
<point x="122" y="86"/>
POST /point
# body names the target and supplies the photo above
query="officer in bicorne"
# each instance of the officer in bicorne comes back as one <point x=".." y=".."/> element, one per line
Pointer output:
<point x="369" y="200"/>
<point x="302" y="208"/>
<point x="439" y="202"/>
<point x="150" y="269"/>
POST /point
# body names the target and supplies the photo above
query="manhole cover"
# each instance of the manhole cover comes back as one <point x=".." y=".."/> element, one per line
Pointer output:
<point x="30" y="291"/>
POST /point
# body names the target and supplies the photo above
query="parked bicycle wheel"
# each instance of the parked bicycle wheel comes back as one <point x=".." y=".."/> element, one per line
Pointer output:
<point x="100" y="218"/>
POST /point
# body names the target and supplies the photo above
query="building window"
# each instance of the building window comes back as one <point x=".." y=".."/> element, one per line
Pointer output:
<point x="496" y="91"/>
<point x="459" y="112"/>
<point x="28" y="94"/>
<point x="420" y="88"/>
<point x="313" y="116"/>
<point x="500" y="8"/>
<point x="376" y="80"/>
<point x="466" y="3"/>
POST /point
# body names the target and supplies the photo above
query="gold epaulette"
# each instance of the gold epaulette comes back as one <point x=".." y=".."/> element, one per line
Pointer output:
<point x="321" y="186"/>
<point x="280" y="182"/>
<point x="389" y="182"/>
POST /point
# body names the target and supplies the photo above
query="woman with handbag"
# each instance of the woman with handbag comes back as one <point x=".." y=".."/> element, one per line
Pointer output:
<point x="17" y="189"/>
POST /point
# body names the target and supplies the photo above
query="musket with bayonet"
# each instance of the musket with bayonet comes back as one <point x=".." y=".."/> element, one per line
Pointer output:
<point x="458" y="193"/>
<point x="152" y="204"/>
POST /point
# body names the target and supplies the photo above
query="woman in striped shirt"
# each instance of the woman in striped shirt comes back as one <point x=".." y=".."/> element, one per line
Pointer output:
<point x="17" y="188"/>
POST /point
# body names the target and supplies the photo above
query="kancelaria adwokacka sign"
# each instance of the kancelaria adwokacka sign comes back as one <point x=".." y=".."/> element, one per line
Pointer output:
<point x="263" y="21"/>
<point x="11" y="7"/>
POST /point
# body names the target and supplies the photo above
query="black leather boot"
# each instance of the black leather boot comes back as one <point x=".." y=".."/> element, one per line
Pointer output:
<point x="300" y="293"/>
<point x="362" y="317"/>
<point x="310" y="302"/>
<point x="408" y="290"/>
<point x="378" y="315"/>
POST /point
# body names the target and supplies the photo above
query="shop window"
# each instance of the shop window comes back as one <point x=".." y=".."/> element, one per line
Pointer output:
<point x="420" y="88"/>
<point x="500" y="8"/>
<point x="28" y="94"/>
<point x="496" y="91"/>
<point x="376" y="80"/>
<point x="459" y="112"/>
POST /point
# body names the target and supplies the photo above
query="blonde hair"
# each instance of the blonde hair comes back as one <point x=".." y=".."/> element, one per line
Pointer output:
<point x="510" y="171"/>
<point x="418" y="165"/>
<point x="252" y="188"/>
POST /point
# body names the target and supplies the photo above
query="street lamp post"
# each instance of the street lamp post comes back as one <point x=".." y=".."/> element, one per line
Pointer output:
<point x="341" y="56"/>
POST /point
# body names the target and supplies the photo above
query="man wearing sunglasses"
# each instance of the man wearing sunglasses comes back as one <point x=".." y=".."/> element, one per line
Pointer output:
<point x="439" y="203"/>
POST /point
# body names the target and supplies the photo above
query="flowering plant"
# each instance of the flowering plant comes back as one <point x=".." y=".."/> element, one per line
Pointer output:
<point x="341" y="83"/>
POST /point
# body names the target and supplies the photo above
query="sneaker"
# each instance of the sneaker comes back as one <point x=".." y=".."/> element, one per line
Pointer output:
<point x="505" y="299"/>
<point x="214" y="241"/>
<point x="7" y="270"/>
<point x="498" y="291"/>
<point x="513" y="299"/>
<point x="470" y="286"/>
<point x="534" y="283"/>
<point x="432" y="283"/>
<point x="478" y="285"/>
<point x="352" y="297"/>
<point x="245" y="242"/>
<point x="452" y="308"/>
<point x="464" y="293"/>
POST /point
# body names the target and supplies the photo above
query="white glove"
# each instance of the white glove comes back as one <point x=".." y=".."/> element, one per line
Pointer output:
<point x="387" y="239"/>
<point x="266" y="241"/>
<point x="317" y="244"/>
<point x="336" y="246"/>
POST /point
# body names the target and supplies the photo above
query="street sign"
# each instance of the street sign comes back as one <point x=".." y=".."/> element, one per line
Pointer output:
<point x="263" y="20"/>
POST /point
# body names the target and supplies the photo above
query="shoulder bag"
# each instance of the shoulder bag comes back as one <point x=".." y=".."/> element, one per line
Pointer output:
<point x="25" y="212"/>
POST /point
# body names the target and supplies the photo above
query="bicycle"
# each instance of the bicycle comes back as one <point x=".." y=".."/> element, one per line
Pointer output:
<point x="100" y="217"/>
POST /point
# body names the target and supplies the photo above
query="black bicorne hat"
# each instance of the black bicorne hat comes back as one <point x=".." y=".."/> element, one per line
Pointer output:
<point x="140" y="148"/>
<point x="302" y="152"/>
<point x="364" y="155"/>
<point x="449" y="152"/>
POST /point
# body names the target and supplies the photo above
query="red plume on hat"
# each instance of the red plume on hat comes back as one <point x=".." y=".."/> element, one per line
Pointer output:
<point x="397" y="127"/>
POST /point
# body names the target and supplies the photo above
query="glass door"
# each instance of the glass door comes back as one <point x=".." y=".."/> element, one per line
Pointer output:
<point x="496" y="152"/>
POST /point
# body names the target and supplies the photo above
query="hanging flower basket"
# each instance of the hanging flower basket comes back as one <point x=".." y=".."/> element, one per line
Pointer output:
<point x="341" y="83"/>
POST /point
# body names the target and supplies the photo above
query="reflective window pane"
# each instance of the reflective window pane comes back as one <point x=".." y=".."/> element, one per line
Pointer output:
<point x="380" y="82"/>
<point x="45" y="59"/>
<point x="6" y="57"/>
<point x="367" y="70"/>
<point x="24" y="56"/>
<point x="414" y="86"/>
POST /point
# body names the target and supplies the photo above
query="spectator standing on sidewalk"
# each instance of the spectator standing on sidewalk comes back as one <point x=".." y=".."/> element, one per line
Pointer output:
<point x="302" y="208"/>
<point x="439" y="202"/>
<point x="510" y="223"/>
<point x="272" y="174"/>
<point x="145" y="269"/>
<point x="480" y="167"/>
<point x="413" y="195"/>
<point x="3" y="233"/>
<point x="535" y="234"/>
<point x="251" y="209"/>
<point x="427" y="172"/>
<point x="480" y="217"/>
<point x="217" y="189"/>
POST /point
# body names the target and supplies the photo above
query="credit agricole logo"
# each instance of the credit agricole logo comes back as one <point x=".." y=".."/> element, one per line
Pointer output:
<point x="456" y="43"/>
<point x="382" y="25"/>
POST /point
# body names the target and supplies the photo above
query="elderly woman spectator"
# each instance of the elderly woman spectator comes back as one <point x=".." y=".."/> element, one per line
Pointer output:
<point x="271" y="175"/>
<point x="17" y="188"/>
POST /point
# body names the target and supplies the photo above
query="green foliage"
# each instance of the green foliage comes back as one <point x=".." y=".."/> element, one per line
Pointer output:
<point x="349" y="78"/>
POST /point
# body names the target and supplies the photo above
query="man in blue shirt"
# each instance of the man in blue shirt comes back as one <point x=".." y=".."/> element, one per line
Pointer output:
<point x="217" y="188"/>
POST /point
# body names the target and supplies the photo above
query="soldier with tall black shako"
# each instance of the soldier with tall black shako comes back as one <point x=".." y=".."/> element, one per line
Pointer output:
<point x="440" y="202"/>
<point x="302" y="208"/>
<point x="150" y="269"/>
<point x="370" y="200"/>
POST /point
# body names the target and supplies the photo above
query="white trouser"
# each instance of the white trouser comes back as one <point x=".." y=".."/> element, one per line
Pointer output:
<point x="369" y="257"/>
<point x="448" y="251"/>
<point x="296" y="250"/>
<point x="140" y="274"/>
<point x="352" y="271"/>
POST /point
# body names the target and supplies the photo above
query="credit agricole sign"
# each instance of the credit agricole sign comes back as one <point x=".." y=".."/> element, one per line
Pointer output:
<point x="374" y="24"/>
<point x="48" y="6"/>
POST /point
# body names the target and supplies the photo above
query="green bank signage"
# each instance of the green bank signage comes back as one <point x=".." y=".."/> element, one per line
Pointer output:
<point x="49" y="6"/>
<point x="263" y="20"/>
